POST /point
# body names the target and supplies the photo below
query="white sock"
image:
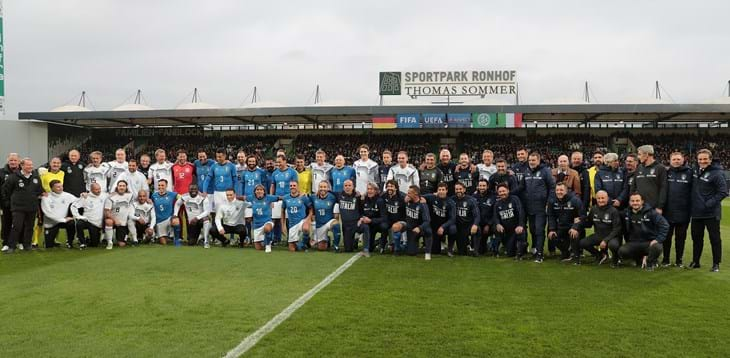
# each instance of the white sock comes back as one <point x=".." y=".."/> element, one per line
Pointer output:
<point x="108" y="234"/>
<point x="206" y="231"/>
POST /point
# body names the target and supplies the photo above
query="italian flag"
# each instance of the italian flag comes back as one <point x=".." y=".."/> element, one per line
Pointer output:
<point x="510" y="120"/>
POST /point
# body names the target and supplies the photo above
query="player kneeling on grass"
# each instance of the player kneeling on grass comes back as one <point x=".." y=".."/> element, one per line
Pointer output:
<point x="296" y="212"/>
<point x="326" y="218"/>
<point x="467" y="221"/>
<point x="606" y="221"/>
<point x="142" y="218"/>
<point x="55" y="207"/>
<point x="263" y="224"/>
<point x="350" y="204"/>
<point x="374" y="217"/>
<point x="565" y="217"/>
<point x="89" y="215"/>
<point x="164" y="210"/>
<point x="443" y="215"/>
<point x="116" y="214"/>
<point x="646" y="229"/>
<point x="229" y="219"/>
<point x="417" y="223"/>
<point x="509" y="222"/>
<point x="197" y="213"/>
<point x="395" y="208"/>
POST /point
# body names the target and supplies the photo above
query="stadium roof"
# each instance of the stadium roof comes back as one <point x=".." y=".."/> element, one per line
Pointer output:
<point x="329" y="115"/>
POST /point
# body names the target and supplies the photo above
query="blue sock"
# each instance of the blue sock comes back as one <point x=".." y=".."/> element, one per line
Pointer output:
<point x="267" y="238"/>
<point x="397" y="246"/>
<point x="178" y="232"/>
<point x="336" y="234"/>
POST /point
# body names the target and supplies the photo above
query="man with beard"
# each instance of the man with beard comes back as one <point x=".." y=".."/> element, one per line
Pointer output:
<point x="416" y="225"/>
<point x="96" y="172"/>
<point x="467" y="222"/>
<point x="136" y="181"/>
<point x="509" y="222"/>
<point x="520" y="167"/>
<point x="576" y="163"/>
<point x="443" y="216"/>
<point x="486" y="168"/>
<point x="197" y="213"/>
<point x="467" y="174"/>
<point x="503" y="176"/>
<point x="395" y="208"/>
<point x="183" y="173"/>
<point x="592" y="171"/>
<point x="537" y="186"/>
<point x="651" y="179"/>
<point x="296" y="217"/>
<point x="486" y="201"/>
<point x="241" y="167"/>
<point x="430" y="175"/>
<point x="679" y="207"/>
<point x="202" y="170"/>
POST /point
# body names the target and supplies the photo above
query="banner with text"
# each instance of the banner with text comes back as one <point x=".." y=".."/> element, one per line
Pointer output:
<point x="434" y="120"/>
<point x="408" y="120"/>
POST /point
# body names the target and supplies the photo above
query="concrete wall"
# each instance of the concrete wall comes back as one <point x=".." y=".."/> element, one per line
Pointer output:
<point x="28" y="139"/>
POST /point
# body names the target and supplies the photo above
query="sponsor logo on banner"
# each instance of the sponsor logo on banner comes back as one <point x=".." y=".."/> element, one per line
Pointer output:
<point x="408" y="120"/>
<point x="459" y="120"/>
<point x="434" y="120"/>
<point x="390" y="83"/>
<point x="485" y="120"/>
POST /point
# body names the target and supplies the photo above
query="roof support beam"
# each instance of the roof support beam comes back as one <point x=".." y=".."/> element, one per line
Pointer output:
<point x="311" y="119"/>
<point x="245" y="120"/>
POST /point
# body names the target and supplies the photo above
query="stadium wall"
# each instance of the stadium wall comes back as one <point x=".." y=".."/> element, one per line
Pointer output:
<point x="27" y="138"/>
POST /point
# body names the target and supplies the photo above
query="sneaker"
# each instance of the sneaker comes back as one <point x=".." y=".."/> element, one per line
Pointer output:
<point x="20" y="247"/>
<point x="82" y="247"/>
<point x="566" y="259"/>
<point x="33" y="246"/>
<point x="268" y="248"/>
<point x="443" y="247"/>
<point x="649" y="267"/>
<point x="603" y="259"/>
<point x="666" y="264"/>
<point x="135" y="243"/>
<point x="365" y="253"/>
<point x="576" y="261"/>
<point x="206" y="246"/>
<point x="5" y="248"/>
<point x="109" y="245"/>
<point x="428" y="258"/>
<point x="382" y="250"/>
<point x="450" y="253"/>
<point x="9" y="251"/>
<point x="715" y="268"/>
<point x="69" y="245"/>
<point x="679" y="264"/>
<point x="694" y="265"/>
<point x="518" y="258"/>
<point x="538" y="258"/>
<point x="225" y="243"/>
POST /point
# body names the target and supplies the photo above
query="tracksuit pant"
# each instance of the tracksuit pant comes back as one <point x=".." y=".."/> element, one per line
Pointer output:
<point x="698" y="238"/>
<point x="449" y="231"/>
<point x="373" y="229"/>
<point x="536" y="223"/>
<point x="515" y="243"/>
<point x="239" y="230"/>
<point x="51" y="233"/>
<point x="589" y="244"/>
<point x="638" y="249"/>
<point x="349" y="229"/>
<point x="462" y="238"/>
<point x="22" y="230"/>
<point x="415" y="238"/>
<point x="679" y="231"/>
<point x="94" y="233"/>
<point x="7" y="224"/>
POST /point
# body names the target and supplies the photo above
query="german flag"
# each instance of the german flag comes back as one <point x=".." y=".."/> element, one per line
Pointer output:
<point x="384" y="122"/>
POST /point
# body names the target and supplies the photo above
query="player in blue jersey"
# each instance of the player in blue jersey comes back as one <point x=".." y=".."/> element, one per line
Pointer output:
<point x="222" y="176"/>
<point x="263" y="224"/>
<point x="202" y="170"/>
<point x="240" y="169"/>
<point x="340" y="173"/>
<point x="296" y="217"/>
<point x="326" y="216"/>
<point x="280" y="179"/>
<point x="167" y="225"/>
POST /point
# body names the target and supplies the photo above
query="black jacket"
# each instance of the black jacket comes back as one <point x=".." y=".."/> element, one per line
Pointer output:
<point x="606" y="220"/>
<point x="538" y="185"/>
<point x="610" y="180"/>
<point x="73" y="179"/>
<point x="563" y="212"/>
<point x="679" y="198"/>
<point x="653" y="225"/>
<point x="585" y="186"/>
<point x="21" y="193"/>
<point x="708" y="190"/>
<point x="486" y="207"/>
<point x="509" y="213"/>
<point x="511" y="181"/>
<point x="5" y="173"/>
<point x="374" y="208"/>
<point x="651" y="183"/>
<point x="442" y="211"/>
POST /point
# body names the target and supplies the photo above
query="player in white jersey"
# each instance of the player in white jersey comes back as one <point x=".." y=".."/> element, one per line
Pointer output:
<point x="197" y="212"/>
<point x="321" y="170"/>
<point x="136" y="181"/>
<point x="116" y="168"/>
<point x="141" y="220"/>
<point x="486" y="168"/>
<point x="92" y="218"/>
<point x="55" y="213"/>
<point x="366" y="170"/>
<point x="96" y="172"/>
<point x="116" y="215"/>
<point x="404" y="173"/>
<point x="162" y="169"/>
<point x="229" y="219"/>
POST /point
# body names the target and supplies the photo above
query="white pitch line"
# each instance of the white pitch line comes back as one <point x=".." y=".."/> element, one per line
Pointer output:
<point x="255" y="337"/>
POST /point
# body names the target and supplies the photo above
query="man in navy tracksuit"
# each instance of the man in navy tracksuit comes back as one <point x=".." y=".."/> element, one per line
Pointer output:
<point x="443" y="215"/>
<point x="509" y="222"/>
<point x="486" y="201"/>
<point x="565" y="218"/>
<point x="678" y="208"/>
<point x="537" y="185"/>
<point x="503" y="176"/>
<point x="646" y="230"/>
<point x="709" y="188"/>
<point x="607" y="223"/>
<point x="351" y="211"/>
<point x="374" y="217"/>
<point x="651" y="179"/>
<point x="467" y="221"/>
<point x="417" y="223"/>
<point x="610" y="178"/>
<point x="395" y="210"/>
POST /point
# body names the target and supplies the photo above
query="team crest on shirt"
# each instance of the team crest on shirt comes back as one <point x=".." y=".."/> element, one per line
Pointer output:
<point x="570" y="206"/>
<point x="68" y="170"/>
<point x="509" y="206"/>
<point x="80" y="166"/>
<point x="706" y="175"/>
<point x="21" y="184"/>
<point x="684" y="176"/>
<point x="538" y="175"/>
<point x="606" y="216"/>
<point x="651" y="171"/>
<point x="35" y="181"/>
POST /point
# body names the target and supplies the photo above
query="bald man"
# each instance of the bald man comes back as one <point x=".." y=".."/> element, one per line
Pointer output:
<point x="11" y="167"/>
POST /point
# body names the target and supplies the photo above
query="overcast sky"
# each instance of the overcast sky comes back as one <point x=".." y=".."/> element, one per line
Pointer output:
<point x="55" y="49"/>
